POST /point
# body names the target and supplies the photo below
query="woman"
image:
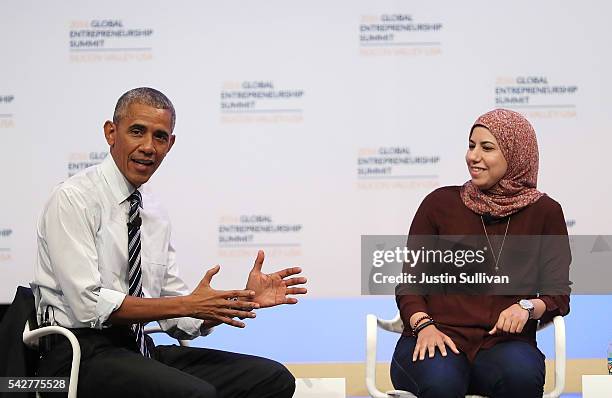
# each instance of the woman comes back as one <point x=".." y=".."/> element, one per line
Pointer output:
<point x="455" y="345"/>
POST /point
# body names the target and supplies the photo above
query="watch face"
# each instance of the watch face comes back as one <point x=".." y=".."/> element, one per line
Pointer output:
<point x="526" y="304"/>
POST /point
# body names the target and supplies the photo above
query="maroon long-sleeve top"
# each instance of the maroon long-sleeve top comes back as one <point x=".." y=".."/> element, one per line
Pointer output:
<point x="468" y="319"/>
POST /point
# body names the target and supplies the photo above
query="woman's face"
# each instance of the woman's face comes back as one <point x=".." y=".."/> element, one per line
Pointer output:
<point x="484" y="158"/>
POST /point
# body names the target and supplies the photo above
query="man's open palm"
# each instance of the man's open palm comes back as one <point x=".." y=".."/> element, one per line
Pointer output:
<point x="272" y="289"/>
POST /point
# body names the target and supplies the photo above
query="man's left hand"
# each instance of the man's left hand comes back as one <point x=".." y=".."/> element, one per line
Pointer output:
<point x="272" y="289"/>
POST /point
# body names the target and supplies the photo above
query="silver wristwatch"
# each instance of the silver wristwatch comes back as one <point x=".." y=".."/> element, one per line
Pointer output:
<point x="527" y="305"/>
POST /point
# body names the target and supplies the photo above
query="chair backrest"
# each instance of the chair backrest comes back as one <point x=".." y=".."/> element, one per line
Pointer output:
<point x="393" y="325"/>
<point x="15" y="358"/>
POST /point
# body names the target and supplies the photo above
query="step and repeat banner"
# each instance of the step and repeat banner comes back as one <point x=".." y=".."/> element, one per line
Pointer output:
<point x="301" y="125"/>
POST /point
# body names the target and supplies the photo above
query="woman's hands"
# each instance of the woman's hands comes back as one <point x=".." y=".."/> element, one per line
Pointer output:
<point x="514" y="318"/>
<point x="511" y="320"/>
<point x="428" y="339"/>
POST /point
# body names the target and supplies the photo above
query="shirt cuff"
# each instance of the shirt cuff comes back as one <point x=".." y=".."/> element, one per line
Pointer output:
<point x="182" y="328"/>
<point x="108" y="301"/>
<point x="191" y="326"/>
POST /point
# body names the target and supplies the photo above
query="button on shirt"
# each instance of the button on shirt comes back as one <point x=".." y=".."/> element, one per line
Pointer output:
<point x="82" y="267"/>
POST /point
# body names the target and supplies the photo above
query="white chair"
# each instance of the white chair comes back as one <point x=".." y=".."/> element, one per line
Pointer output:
<point x="30" y="338"/>
<point x="395" y="325"/>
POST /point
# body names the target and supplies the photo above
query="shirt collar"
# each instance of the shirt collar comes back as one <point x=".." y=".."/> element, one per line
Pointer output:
<point x="119" y="185"/>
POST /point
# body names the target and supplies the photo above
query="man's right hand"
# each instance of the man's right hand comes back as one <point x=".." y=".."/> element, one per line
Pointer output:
<point x="428" y="339"/>
<point x="220" y="306"/>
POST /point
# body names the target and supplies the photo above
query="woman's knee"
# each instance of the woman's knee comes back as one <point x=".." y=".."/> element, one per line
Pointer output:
<point x="433" y="386"/>
<point x="509" y="370"/>
<point x="432" y="377"/>
<point x="443" y="388"/>
<point x="526" y="381"/>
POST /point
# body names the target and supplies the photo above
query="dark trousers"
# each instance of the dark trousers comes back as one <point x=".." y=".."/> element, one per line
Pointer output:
<point x="112" y="366"/>
<point x="510" y="369"/>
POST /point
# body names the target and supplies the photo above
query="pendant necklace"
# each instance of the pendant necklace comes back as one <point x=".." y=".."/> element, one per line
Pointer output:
<point x="491" y="246"/>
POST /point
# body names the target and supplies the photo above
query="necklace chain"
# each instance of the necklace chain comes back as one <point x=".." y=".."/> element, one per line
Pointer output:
<point x="491" y="246"/>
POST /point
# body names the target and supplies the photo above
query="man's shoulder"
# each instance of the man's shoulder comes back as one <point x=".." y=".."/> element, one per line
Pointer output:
<point x="84" y="186"/>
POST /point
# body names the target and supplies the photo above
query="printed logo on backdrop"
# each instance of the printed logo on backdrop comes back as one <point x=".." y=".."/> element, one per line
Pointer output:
<point x="260" y="102"/>
<point x="536" y="96"/>
<point x="396" y="167"/>
<point x="396" y="34"/>
<point x="241" y="236"/>
<point x="5" y="244"/>
<point x="79" y="161"/>
<point x="108" y="40"/>
<point x="7" y="117"/>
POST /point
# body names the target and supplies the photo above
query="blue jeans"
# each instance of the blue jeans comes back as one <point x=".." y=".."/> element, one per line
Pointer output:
<point x="512" y="369"/>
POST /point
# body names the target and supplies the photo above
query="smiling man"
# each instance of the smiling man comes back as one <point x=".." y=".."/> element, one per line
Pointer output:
<point x="106" y="267"/>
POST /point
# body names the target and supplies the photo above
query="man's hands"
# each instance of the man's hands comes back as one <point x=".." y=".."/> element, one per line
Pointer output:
<point x="428" y="339"/>
<point x="220" y="306"/>
<point x="272" y="289"/>
<point x="262" y="290"/>
<point x="216" y="306"/>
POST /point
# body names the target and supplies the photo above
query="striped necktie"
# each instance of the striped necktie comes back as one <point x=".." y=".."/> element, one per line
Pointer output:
<point x="135" y="271"/>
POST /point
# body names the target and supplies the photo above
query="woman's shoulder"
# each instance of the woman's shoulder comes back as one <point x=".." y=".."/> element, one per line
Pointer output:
<point x="443" y="198"/>
<point x="546" y="204"/>
<point x="444" y="194"/>
<point x="439" y="211"/>
<point x="544" y="216"/>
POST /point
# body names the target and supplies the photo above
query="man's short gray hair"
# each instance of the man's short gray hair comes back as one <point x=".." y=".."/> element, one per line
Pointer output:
<point x="145" y="96"/>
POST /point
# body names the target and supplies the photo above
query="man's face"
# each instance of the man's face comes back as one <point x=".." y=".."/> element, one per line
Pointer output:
<point x="140" y="141"/>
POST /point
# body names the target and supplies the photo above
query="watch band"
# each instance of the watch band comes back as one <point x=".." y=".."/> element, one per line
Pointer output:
<point x="529" y="308"/>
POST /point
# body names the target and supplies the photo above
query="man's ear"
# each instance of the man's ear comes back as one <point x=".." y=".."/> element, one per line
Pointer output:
<point x="110" y="131"/>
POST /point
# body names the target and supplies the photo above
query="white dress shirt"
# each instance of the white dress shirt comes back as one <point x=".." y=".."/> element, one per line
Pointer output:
<point x="82" y="267"/>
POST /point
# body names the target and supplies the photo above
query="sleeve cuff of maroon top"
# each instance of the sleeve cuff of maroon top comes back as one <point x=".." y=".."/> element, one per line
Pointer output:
<point x="552" y="309"/>
<point x="408" y="306"/>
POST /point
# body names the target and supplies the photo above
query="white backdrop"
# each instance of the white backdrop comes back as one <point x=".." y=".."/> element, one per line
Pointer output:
<point x="290" y="114"/>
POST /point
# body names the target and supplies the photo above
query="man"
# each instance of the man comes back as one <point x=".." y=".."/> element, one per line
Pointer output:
<point x="106" y="266"/>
